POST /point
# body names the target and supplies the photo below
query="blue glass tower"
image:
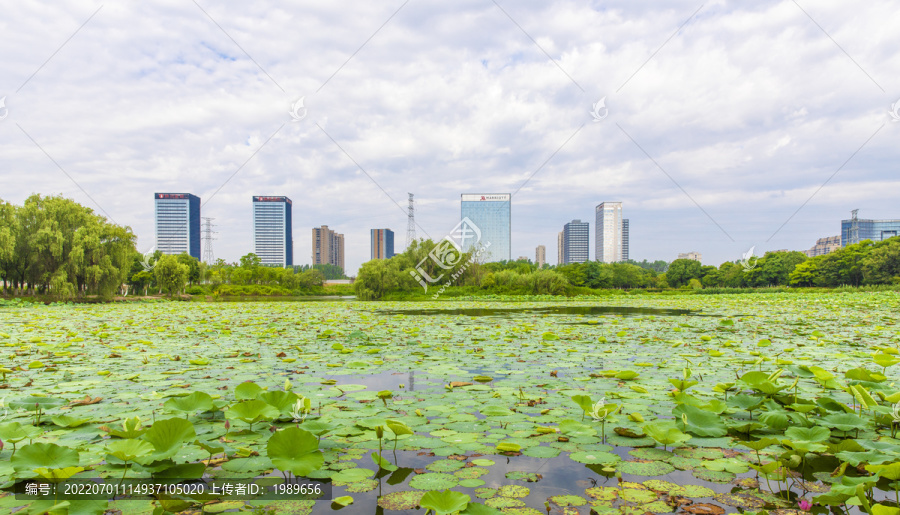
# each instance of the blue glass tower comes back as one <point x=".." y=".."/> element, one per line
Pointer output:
<point x="490" y="212"/>
<point x="856" y="230"/>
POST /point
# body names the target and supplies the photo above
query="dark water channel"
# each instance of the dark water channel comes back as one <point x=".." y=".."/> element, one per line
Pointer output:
<point x="544" y="310"/>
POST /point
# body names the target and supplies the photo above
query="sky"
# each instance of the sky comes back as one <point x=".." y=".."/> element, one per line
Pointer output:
<point x="727" y="125"/>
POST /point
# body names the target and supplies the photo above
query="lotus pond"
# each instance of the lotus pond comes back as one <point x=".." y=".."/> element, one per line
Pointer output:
<point x="630" y="405"/>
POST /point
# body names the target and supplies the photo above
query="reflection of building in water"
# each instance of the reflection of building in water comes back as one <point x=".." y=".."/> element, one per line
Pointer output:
<point x="412" y="381"/>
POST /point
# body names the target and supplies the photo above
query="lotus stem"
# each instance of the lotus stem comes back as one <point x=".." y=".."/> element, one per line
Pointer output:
<point x="124" y="473"/>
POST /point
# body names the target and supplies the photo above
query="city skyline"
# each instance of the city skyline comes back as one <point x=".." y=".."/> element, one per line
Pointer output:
<point x="174" y="208"/>
<point x="713" y="147"/>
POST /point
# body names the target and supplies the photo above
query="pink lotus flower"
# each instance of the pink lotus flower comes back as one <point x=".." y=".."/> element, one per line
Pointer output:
<point x="804" y="505"/>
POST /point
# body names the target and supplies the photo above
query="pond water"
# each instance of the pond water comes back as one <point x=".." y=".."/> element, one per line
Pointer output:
<point x="550" y="309"/>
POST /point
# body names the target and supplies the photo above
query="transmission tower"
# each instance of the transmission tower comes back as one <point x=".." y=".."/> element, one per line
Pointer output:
<point x="410" y="221"/>
<point x="207" y="240"/>
<point x="854" y="226"/>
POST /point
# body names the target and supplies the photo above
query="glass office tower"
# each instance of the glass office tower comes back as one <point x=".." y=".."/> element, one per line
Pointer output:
<point x="273" y="239"/>
<point x="576" y="243"/>
<point x="490" y="212"/>
<point x="856" y="230"/>
<point x="177" y="223"/>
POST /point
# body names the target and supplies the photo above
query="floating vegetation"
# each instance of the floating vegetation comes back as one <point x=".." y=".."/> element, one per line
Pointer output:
<point x="772" y="402"/>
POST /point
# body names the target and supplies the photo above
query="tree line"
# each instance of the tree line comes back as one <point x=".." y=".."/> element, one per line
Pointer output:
<point x="865" y="263"/>
<point x="54" y="247"/>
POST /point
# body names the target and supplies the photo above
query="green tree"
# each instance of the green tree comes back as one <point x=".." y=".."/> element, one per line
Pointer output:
<point x="775" y="268"/>
<point x="806" y="273"/>
<point x="882" y="264"/>
<point x="844" y="266"/>
<point x="63" y="249"/>
<point x="377" y="277"/>
<point x="681" y="271"/>
<point x="171" y="276"/>
<point x="7" y="238"/>
<point x="193" y="265"/>
<point x="141" y="281"/>
<point x="659" y="266"/>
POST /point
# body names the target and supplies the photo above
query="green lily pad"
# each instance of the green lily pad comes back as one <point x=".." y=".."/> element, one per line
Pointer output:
<point x="645" y="468"/>
<point x="433" y="481"/>
<point x="594" y="458"/>
<point x="514" y="491"/>
<point x="400" y="501"/>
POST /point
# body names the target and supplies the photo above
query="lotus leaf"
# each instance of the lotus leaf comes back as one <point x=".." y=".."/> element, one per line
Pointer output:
<point x="444" y="502"/>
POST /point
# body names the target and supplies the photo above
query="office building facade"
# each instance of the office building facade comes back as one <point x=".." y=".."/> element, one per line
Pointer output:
<point x="177" y="223"/>
<point x="824" y="246"/>
<point x="273" y="239"/>
<point x="559" y="248"/>
<point x="610" y="242"/>
<point x="490" y="212"/>
<point x="327" y="247"/>
<point x="856" y="229"/>
<point x="576" y="242"/>
<point x="695" y="256"/>
<point x="540" y="255"/>
<point x="382" y="246"/>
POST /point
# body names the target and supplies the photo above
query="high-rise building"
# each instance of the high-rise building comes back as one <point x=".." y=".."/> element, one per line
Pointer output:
<point x="273" y="235"/>
<point x="490" y="213"/>
<point x="382" y="243"/>
<point x="856" y="229"/>
<point x="624" y="239"/>
<point x="576" y="242"/>
<point x="177" y="223"/>
<point x="824" y="246"/>
<point x="696" y="256"/>
<point x="560" y="244"/>
<point x="540" y="255"/>
<point x="328" y="247"/>
<point x="610" y="243"/>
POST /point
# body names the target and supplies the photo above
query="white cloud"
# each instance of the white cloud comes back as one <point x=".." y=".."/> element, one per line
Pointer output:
<point x="749" y="108"/>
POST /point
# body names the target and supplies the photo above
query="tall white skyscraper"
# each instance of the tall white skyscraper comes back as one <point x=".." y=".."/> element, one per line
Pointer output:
<point x="177" y="223"/>
<point x="273" y="239"/>
<point x="610" y="243"/>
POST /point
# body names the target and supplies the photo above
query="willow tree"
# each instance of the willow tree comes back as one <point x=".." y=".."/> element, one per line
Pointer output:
<point x="64" y="249"/>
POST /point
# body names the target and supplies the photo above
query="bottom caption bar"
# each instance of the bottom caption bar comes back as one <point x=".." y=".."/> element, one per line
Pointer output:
<point x="267" y="488"/>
